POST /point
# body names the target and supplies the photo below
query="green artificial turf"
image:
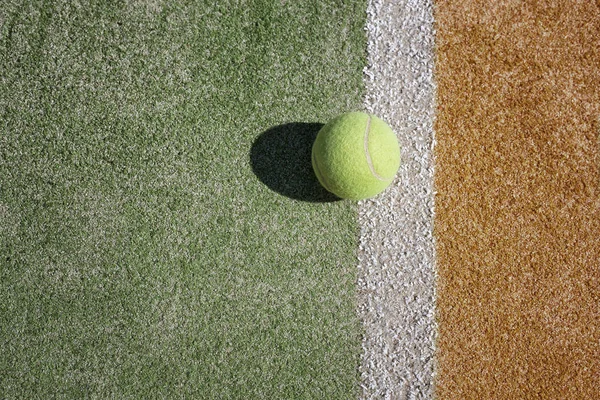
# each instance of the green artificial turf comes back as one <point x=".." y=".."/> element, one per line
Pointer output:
<point x="141" y="254"/>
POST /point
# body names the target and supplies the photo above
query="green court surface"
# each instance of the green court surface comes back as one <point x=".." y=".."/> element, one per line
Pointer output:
<point x="161" y="232"/>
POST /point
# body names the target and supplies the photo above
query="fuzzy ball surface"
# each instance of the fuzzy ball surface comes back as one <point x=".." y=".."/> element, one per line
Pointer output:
<point x="356" y="156"/>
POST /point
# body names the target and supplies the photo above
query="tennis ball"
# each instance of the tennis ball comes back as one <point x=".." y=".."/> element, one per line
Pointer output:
<point x="356" y="156"/>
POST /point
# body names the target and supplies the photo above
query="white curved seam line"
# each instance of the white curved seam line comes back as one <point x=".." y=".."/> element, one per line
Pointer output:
<point x="369" y="161"/>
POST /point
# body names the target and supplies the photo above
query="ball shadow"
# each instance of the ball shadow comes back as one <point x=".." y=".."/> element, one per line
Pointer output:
<point x="281" y="159"/>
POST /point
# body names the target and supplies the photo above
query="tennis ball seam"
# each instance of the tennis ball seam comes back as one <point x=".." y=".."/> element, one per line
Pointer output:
<point x="368" y="155"/>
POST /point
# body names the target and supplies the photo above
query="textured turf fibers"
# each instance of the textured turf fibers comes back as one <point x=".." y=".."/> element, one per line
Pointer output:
<point x="518" y="200"/>
<point x="140" y="254"/>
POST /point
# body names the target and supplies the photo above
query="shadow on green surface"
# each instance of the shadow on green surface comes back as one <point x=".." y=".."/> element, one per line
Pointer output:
<point x="281" y="159"/>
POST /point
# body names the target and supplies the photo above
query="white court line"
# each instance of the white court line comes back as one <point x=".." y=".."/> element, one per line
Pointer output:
<point x="396" y="255"/>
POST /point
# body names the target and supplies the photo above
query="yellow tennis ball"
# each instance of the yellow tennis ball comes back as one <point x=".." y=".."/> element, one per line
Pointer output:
<point x="356" y="156"/>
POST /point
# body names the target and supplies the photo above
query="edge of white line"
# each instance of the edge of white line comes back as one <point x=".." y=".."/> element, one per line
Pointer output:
<point x="396" y="259"/>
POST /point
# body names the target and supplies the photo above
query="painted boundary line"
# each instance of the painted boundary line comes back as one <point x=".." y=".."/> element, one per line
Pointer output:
<point x="396" y="253"/>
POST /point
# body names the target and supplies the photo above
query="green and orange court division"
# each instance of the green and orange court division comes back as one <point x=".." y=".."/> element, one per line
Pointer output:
<point x="163" y="234"/>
